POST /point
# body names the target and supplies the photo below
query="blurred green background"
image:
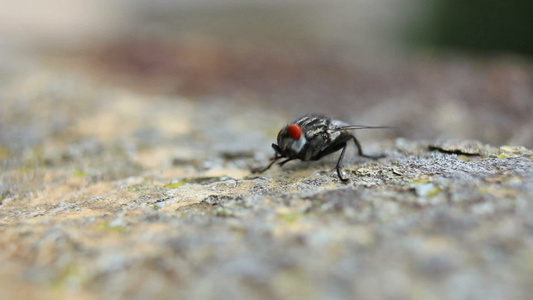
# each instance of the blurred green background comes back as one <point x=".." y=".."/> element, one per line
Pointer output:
<point x="491" y="25"/>
<point x="485" y="26"/>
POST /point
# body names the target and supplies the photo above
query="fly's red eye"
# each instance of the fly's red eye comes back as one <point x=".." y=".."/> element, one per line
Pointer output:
<point x="294" y="131"/>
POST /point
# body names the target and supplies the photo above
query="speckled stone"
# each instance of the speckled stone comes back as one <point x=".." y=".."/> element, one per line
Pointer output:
<point x="111" y="193"/>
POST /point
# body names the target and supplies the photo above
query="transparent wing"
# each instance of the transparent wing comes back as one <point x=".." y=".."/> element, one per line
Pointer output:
<point x="354" y="127"/>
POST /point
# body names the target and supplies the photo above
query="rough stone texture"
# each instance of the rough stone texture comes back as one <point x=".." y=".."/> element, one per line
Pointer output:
<point x="112" y="192"/>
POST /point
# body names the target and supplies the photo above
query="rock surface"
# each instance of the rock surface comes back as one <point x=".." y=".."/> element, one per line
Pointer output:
<point x="109" y="192"/>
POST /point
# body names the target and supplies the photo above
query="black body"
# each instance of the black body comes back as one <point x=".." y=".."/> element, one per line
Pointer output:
<point x="320" y="136"/>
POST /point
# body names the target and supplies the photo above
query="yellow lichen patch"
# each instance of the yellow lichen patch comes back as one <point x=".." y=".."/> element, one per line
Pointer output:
<point x="433" y="192"/>
<point x="421" y="180"/>
<point x="513" y="149"/>
<point x="175" y="184"/>
<point x="289" y="218"/>
<point x="502" y="155"/>
<point x="506" y="151"/>
<point x="79" y="173"/>
<point x="70" y="276"/>
<point x="464" y="158"/>
<point x="108" y="227"/>
<point x="177" y="204"/>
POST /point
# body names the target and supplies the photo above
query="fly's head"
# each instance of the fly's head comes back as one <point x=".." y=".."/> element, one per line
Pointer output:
<point x="291" y="141"/>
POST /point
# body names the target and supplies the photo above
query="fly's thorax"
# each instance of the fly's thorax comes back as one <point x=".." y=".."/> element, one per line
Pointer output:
<point x="312" y="132"/>
<point x="312" y="124"/>
<point x="333" y="135"/>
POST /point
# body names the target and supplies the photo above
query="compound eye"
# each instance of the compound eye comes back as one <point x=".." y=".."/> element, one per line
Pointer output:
<point x="294" y="131"/>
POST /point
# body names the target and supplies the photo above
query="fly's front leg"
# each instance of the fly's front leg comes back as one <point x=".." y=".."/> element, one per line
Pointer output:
<point x="277" y="156"/>
<point x="261" y="170"/>
<point x="285" y="161"/>
<point x="274" y="159"/>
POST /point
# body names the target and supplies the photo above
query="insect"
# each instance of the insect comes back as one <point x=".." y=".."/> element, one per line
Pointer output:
<point x="312" y="137"/>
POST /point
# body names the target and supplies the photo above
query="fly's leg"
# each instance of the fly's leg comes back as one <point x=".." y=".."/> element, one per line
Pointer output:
<point x="274" y="160"/>
<point x="285" y="161"/>
<point x="277" y="156"/>
<point x="338" y="166"/>
<point x="261" y="170"/>
<point x="339" y="144"/>
<point x="360" y="150"/>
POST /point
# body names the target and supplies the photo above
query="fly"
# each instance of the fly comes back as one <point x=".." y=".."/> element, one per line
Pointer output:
<point x="312" y="137"/>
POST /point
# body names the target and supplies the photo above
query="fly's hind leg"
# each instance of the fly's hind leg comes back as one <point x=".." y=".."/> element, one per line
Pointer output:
<point x="338" y="166"/>
<point x="360" y="150"/>
<point x="338" y="145"/>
